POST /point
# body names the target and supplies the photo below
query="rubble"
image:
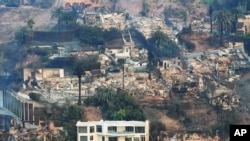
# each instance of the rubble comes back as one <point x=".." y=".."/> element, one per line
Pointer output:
<point x="183" y="136"/>
<point x="219" y="67"/>
<point x="44" y="131"/>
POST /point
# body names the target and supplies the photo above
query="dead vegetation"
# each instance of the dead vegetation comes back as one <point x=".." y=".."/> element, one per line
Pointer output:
<point x="92" y="113"/>
<point x="13" y="19"/>
<point x="202" y="41"/>
<point x="191" y="113"/>
<point x="171" y="124"/>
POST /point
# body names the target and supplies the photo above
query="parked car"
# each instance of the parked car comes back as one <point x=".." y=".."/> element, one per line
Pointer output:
<point x="113" y="69"/>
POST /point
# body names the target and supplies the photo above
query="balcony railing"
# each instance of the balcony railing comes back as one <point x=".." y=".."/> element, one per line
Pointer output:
<point x="120" y="132"/>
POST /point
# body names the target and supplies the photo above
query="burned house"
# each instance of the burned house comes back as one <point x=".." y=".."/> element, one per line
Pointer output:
<point x="42" y="73"/>
<point x="92" y="18"/>
<point x="166" y="63"/>
<point x="243" y="25"/>
<point x="91" y="2"/>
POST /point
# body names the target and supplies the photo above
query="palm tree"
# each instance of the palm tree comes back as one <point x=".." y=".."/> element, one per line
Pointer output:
<point x="119" y="115"/>
<point x="244" y="4"/>
<point x="104" y="94"/>
<point x="210" y="12"/>
<point x="30" y="24"/>
<point x="237" y="13"/>
<point x="79" y="72"/>
<point x="224" y="22"/>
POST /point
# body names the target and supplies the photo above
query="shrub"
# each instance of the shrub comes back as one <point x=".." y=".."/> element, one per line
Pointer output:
<point x="35" y="96"/>
<point x="189" y="45"/>
<point x="155" y="128"/>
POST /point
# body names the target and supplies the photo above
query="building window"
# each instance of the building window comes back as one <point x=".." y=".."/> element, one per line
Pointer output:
<point x="139" y="129"/>
<point x="103" y="138"/>
<point x="83" y="138"/>
<point x="113" y="139"/>
<point x="129" y="129"/>
<point x="128" y="139"/>
<point x="112" y="129"/>
<point x="82" y="129"/>
<point x="143" y="138"/>
<point x="91" y="129"/>
<point x="91" y="138"/>
<point x="136" y="139"/>
<point x="99" y="128"/>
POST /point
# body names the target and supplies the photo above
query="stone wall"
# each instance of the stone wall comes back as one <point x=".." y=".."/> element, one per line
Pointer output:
<point x="53" y="36"/>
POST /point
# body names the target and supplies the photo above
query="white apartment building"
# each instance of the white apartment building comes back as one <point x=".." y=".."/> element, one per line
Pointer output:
<point x="113" y="131"/>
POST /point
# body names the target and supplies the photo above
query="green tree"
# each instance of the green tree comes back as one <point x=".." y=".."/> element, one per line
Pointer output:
<point x="104" y="95"/>
<point x="111" y="34"/>
<point x="91" y="35"/>
<point x="224" y="22"/>
<point x="158" y="38"/>
<point x="121" y="61"/>
<point x="74" y="112"/>
<point x="119" y="115"/>
<point x="162" y="45"/>
<point x="116" y="105"/>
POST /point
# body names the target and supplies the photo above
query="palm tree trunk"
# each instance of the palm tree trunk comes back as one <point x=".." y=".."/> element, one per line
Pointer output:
<point x="211" y="25"/>
<point x="80" y="85"/>
<point x="210" y="11"/>
<point x="221" y="34"/>
<point x="245" y="5"/>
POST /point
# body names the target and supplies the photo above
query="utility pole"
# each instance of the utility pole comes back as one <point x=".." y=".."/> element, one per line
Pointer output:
<point x="123" y="77"/>
<point x="49" y="88"/>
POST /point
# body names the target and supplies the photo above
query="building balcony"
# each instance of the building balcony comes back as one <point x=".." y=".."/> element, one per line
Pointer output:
<point x="118" y="133"/>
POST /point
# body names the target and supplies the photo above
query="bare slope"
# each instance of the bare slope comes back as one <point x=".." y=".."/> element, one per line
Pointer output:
<point x="13" y="19"/>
